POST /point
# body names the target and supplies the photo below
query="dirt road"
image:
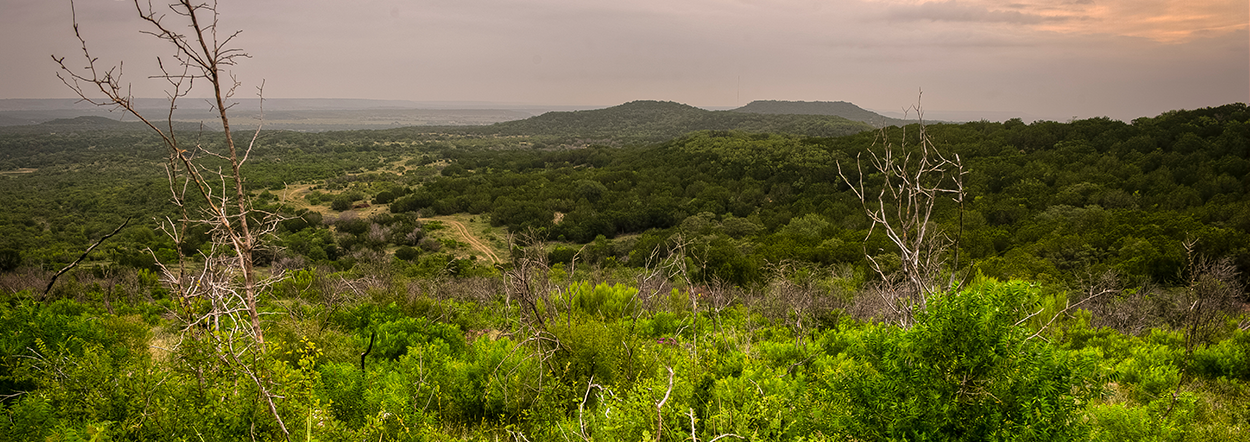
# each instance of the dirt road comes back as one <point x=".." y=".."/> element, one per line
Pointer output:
<point x="472" y="240"/>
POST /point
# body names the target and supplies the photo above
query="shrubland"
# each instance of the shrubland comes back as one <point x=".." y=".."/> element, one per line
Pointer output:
<point x="350" y="357"/>
<point x="716" y="285"/>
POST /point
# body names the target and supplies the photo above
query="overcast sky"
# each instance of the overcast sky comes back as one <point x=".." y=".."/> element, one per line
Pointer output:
<point x="1054" y="59"/>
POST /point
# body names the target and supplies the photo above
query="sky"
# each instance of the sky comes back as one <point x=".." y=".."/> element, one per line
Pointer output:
<point x="1050" y="59"/>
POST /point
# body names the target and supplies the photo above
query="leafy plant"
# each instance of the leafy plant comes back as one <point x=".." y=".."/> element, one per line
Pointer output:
<point x="966" y="371"/>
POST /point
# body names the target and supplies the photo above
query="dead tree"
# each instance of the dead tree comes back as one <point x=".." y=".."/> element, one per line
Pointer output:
<point x="797" y="294"/>
<point x="527" y="281"/>
<point x="201" y="55"/>
<point x="211" y="296"/>
<point x="1213" y="293"/>
<point x="913" y="178"/>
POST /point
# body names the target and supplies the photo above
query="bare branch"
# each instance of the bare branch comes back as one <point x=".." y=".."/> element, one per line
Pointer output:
<point x="83" y="256"/>
<point x="1068" y="307"/>
<point x="912" y="179"/>
<point x="659" y="407"/>
<point x="212" y="295"/>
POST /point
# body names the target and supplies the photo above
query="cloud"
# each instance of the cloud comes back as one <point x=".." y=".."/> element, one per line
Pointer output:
<point x="953" y="11"/>
<point x="1165" y="21"/>
<point x="1052" y="58"/>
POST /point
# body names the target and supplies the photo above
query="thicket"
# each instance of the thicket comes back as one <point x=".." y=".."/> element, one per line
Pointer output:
<point x="352" y="357"/>
<point x="715" y="285"/>
<point x="1048" y="201"/>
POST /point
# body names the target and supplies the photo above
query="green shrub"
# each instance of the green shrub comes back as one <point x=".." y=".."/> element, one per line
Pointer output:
<point x="1229" y="358"/>
<point x="395" y="337"/>
<point x="407" y="253"/>
<point x="384" y="197"/>
<point x="966" y="371"/>
<point x="589" y="348"/>
<point x="768" y="404"/>
<point x="1160" y="420"/>
<point x="602" y="301"/>
<point x="1120" y="422"/>
<point x="343" y="385"/>
<point x="1150" y="370"/>
<point x="660" y="324"/>
<point x="341" y="203"/>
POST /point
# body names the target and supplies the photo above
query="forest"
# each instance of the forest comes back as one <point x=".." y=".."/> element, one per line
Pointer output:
<point x="650" y="271"/>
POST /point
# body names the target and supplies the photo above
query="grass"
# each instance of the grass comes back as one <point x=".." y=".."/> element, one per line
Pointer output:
<point x="493" y="238"/>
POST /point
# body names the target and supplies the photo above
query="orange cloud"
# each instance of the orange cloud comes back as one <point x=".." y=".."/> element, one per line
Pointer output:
<point x="1167" y="21"/>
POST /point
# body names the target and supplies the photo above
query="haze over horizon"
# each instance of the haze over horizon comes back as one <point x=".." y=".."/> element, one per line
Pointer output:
<point x="1051" y="59"/>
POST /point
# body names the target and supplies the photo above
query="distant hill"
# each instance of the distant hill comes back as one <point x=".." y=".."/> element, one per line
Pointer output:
<point x="94" y="124"/>
<point x="299" y="114"/>
<point x="296" y="120"/>
<point x="6" y="120"/>
<point x="664" y="120"/>
<point x="836" y="108"/>
<point x="85" y="122"/>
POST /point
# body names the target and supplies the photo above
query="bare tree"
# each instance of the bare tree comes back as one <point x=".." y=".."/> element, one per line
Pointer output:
<point x="201" y="54"/>
<point x="1213" y="292"/>
<point x="210" y="296"/>
<point x="1131" y="309"/>
<point x="913" y="178"/>
<point x="808" y="292"/>
<point x="527" y="281"/>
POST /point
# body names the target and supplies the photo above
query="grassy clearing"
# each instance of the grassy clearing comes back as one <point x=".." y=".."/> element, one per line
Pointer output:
<point x="19" y="171"/>
<point x="492" y="240"/>
<point x="477" y="239"/>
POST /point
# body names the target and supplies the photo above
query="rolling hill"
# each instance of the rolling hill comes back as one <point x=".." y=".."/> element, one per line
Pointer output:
<point x="835" y="108"/>
<point x="648" y="121"/>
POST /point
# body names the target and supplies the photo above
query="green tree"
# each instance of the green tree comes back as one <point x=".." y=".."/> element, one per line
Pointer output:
<point x="967" y="371"/>
<point x="341" y="203"/>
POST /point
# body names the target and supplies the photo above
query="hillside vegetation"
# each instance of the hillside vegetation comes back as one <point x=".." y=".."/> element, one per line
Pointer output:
<point x="669" y="274"/>
<point x="835" y="108"/>
<point x="651" y="121"/>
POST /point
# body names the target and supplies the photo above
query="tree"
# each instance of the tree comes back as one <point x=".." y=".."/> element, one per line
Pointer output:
<point x="341" y="203"/>
<point x="1214" y="288"/>
<point x="200" y="54"/>
<point x="210" y="296"/>
<point x="913" y="179"/>
<point x="967" y="370"/>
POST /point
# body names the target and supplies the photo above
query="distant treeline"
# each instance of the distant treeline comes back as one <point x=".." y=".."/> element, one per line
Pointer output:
<point x="1047" y="201"/>
<point x="641" y="122"/>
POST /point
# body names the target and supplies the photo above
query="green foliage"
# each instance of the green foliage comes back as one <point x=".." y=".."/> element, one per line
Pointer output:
<point x="341" y="203"/>
<point x="1050" y="202"/>
<point x="1229" y="358"/>
<point x="407" y="253"/>
<point x="658" y="121"/>
<point x="396" y="333"/>
<point x="603" y="302"/>
<point x="966" y="371"/>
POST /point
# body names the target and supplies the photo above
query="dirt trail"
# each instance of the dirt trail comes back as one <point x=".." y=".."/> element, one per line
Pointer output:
<point x="472" y="240"/>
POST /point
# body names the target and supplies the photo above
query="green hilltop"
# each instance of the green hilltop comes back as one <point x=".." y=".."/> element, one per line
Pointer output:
<point x="650" y="121"/>
<point x="842" y="109"/>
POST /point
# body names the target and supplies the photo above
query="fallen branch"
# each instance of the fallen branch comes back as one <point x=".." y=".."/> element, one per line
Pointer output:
<point x="582" y="406"/>
<point x="1062" y="312"/>
<point x="83" y="256"/>
<point x="659" y="431"/>
<point x="372" y="336"/>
